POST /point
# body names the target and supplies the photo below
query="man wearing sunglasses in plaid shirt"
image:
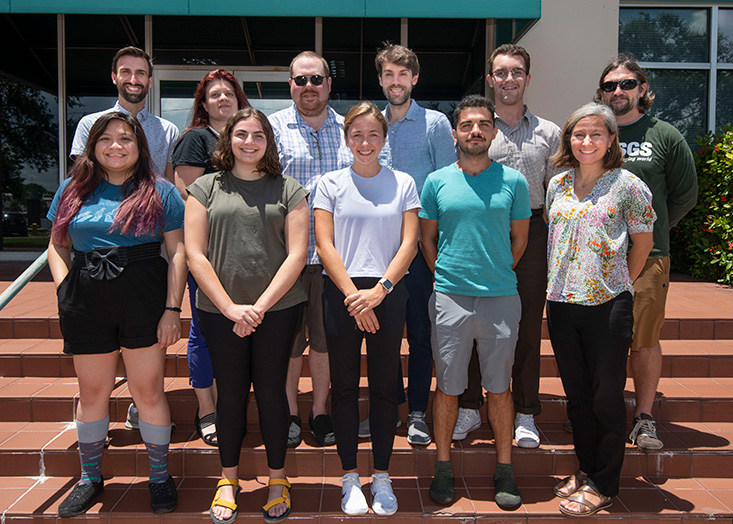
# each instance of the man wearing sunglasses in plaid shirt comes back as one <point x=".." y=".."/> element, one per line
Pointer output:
<point x="310" y="141"/>
<point x="658" y="154"/>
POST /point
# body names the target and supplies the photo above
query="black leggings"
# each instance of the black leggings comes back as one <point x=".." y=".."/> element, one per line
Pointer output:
<point x="260" y="359"/>
<point x="344" y="341"/>
<point x="591" y="345"/>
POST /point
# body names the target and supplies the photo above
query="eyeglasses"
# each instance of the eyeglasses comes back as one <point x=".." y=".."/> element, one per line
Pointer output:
<point x="503" y="74"/>
<point x="626" y="85"/>
<point x="301" y="80"/>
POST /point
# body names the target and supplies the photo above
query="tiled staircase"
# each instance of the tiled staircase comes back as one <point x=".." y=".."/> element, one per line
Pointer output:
<point x="691" y="479"/>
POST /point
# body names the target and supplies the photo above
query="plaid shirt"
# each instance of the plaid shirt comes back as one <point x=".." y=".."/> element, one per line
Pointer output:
<point x="307" y="154"/>
<point x="528" y="148"/>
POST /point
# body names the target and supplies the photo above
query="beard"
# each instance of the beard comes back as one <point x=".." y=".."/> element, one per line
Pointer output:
<point x="619" y="108"/>
<point x="133" y="98"/>
<point x="398" y="100"/>
<point x="312" y="107"/>
<point x="474" y="150"/>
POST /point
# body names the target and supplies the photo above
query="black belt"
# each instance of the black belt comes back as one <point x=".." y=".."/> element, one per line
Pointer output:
<point x="538" y="211"/>
<point x="107" y="263"/>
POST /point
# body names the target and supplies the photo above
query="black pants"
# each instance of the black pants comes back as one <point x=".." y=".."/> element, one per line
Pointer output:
<point x="260" y="359"/>
<point x="531" y="274"/>
<point x="344" y="341"/>
<point x="591" y="345"/>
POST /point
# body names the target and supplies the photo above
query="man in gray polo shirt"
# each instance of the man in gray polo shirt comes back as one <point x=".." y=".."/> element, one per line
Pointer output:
<point x="132" y="73"/>
<point x="524" y="142"/>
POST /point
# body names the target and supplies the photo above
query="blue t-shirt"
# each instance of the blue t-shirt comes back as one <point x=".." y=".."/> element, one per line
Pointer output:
<point x="474" y="215"/>
<point x="90" y="227"/>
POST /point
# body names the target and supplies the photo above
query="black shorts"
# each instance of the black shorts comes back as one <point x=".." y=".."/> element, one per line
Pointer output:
<point x="100" y="316"/>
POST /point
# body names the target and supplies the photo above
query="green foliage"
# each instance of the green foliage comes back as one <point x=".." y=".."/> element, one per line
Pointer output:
<point x="702" y="244"/>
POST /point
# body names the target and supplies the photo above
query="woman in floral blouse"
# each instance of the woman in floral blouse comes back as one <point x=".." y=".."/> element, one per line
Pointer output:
<point x="594" y="210"/>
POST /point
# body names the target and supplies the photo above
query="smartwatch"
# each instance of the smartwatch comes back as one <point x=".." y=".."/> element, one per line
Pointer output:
<point x="387" y="284"/>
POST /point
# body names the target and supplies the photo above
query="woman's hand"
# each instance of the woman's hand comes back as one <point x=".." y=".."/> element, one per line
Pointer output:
<point x="169" y="328"/>
<point x="365" y="300"/>
<point x="246" y="318"/>
<point x="367" y="322"/>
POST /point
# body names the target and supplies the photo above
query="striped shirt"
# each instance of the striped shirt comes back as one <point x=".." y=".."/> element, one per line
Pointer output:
<point x="527" y="148"/>
<point x="307" y="154"/>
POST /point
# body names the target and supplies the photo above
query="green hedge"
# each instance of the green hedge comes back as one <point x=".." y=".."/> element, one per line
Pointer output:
<point x="702" y="243"/>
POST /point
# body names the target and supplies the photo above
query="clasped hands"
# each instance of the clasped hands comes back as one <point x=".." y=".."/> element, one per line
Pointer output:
<point x="361" y="306"/>
<point x="246" y="318"/>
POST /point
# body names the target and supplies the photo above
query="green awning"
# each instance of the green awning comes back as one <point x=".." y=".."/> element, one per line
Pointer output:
<point x="325" y="8"/>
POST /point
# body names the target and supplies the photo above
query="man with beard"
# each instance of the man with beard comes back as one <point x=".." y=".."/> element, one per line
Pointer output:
<point x="524" y="142"/>
<point x="419" y="142"/>
<point x="310" y="141"/>
<point x="658" y="154"/>
<point x="132" y="73"/>
<point x="474" y="224"/>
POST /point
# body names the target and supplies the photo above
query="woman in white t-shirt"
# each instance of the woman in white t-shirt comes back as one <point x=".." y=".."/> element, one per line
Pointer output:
<point x="366" y="234"/>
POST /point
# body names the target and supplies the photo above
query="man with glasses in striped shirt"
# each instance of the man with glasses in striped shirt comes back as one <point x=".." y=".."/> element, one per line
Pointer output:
<point x="524" y="142"/>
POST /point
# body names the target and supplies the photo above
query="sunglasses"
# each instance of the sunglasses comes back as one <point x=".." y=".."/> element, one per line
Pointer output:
<point x="302" y="80"/>
<point x="626" y="85"/>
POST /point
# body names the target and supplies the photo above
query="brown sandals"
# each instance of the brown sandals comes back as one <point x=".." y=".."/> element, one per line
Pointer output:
<point x="570" y="484"/>
<point x="587" y="508"/>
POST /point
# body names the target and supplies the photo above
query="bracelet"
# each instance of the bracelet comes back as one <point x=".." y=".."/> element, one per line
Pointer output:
<point x="173" y="308"/>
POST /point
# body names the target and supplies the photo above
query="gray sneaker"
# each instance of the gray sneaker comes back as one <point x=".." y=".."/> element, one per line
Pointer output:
<point x="644" y="434"/>
<point x="133" y="418"/>
<point x="366" y="432"/>
<point x="294" y="438"/>
<point x="418" y="432"/>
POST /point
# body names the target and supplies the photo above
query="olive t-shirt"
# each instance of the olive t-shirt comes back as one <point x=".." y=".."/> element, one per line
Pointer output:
<point x="247" y="234"/>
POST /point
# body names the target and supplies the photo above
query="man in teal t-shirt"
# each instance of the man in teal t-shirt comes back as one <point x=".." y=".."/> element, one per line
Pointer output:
<point x="658" y="154"/>
<point x="474" y="224"/>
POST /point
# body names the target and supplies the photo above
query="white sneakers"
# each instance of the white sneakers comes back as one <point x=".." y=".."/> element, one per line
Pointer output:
<point x="525" y="432"/>
<point x="383" y="500"/>
<point x="467" y="421"/>
<point x="353" y="501"/>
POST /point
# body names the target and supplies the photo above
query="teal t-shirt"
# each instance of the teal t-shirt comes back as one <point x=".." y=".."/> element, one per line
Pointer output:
<point x="90" y="227"/>
<point x="474" y="215"/>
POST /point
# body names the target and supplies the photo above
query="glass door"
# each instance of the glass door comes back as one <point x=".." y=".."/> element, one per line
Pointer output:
<point x="173" y="89"/>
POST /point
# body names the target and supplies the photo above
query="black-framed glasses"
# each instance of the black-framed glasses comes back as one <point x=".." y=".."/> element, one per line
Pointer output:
<point x="503" y="74"/>
<point x="626" y="85"/>
<point x="302" y="80"/>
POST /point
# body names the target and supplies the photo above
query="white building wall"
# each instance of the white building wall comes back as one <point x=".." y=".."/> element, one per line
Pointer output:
<point x="569" y="46"/>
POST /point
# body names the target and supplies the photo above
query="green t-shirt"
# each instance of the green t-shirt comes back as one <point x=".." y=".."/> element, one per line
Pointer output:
<point x="247" y="234"/>
<point x="658" y="154"/>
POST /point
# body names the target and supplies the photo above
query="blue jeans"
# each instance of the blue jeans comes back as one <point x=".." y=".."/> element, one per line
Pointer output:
<point x="200" y="370"/>
<point x="419" y="283"/>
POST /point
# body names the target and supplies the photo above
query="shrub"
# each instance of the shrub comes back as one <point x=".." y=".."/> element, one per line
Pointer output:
<point x="702" y="243"/>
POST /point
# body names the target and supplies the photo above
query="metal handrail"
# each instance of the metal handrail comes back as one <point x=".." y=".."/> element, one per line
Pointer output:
<point x="20" y="282"/>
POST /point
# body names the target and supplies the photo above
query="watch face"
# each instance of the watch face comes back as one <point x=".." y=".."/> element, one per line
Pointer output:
<point x="387" y="284"/>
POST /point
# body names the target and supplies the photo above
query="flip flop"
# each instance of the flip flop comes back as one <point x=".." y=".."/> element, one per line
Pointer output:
<point x="225" y="503"/>
<point x="204" y="422"/>
<point x="578" y="478"/>
<point x="283" y="499"/>
<point x="591" y="509"/>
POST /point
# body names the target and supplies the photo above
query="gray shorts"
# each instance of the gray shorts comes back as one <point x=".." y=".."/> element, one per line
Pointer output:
<point x="311" y="331"/>
<point x="458" y="320"/>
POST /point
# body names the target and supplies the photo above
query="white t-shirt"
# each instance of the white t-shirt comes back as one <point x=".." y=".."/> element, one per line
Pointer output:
<point x="367" y="216"/>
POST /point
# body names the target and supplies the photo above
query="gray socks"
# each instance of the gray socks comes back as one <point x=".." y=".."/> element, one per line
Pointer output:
<point x="157" y="439"/>
<point x="91" y="437"/>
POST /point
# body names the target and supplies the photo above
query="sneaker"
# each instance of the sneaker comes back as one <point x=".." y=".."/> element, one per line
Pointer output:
<point x="644" y="434"/>
<point x="133" y="419"/>
<point x="418" y="432"/>
<point x="525" y="432"/>
<point x="80" y="498"/>
<point x="294" y="438"/>
<point x="353" y="501"/>
<point x="163" y="496"/>
<point x="383" y="500"/>
<point x="366" y="432"/>
<point x="442" y="490"/>
<point x="322" y="429"/>
<point x="467" y="421"/>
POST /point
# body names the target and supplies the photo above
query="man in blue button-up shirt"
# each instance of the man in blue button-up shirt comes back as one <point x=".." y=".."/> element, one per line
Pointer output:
<point x="419" y="141"/>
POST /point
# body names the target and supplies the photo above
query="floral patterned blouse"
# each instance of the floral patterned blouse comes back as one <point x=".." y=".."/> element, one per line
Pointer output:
<point x="589" y="239"/>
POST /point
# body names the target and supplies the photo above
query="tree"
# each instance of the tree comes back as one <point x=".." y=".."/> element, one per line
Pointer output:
<point x="28" y="136"/>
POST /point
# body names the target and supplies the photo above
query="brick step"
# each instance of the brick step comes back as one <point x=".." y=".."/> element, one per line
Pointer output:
<point x="44" y="358"/>
<point x="317" y="499"/>
<point x="698" y="450"/>
<point x="37" y="399"/>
